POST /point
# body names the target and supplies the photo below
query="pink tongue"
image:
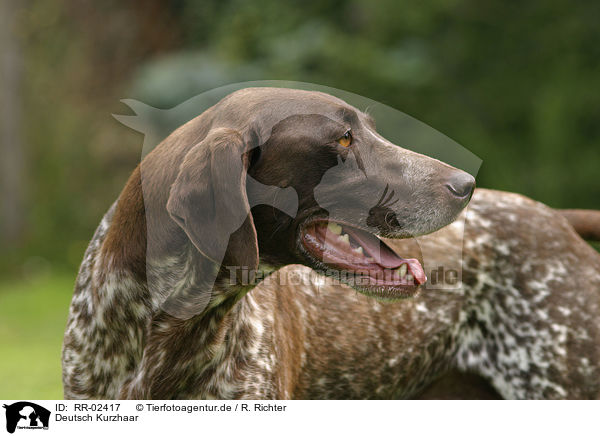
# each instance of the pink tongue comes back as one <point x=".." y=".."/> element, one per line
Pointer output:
<point x="382" y="254"/>
<point x="417" y="271"/>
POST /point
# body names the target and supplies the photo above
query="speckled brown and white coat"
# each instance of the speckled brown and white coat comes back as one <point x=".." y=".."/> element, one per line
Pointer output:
<point x="525" y="318"/>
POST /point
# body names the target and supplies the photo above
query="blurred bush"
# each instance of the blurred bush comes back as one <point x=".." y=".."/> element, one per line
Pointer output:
<point x="516" y="83"/>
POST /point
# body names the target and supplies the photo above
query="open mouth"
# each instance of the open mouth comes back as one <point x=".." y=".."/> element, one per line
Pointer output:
<point x="368" y="264"/>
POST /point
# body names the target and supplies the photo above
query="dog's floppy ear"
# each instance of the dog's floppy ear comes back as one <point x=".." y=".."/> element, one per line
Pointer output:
<point x="208" y="199"/>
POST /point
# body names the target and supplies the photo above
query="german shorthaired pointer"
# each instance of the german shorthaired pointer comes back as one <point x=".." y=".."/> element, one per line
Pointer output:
<point x="166" y="305"/>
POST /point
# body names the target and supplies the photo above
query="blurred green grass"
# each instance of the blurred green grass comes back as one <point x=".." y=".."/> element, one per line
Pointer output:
<point x="33" y="316"/>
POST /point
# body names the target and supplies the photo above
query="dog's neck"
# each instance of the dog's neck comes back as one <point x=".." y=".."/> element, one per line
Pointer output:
<point x="196" y="325"/>
<point x="205" y="356"/>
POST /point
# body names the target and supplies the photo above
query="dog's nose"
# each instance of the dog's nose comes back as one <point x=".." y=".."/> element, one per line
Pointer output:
<point x="461" y="185"/>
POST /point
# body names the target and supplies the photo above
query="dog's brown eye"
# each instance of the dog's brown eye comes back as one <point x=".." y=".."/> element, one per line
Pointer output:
<point x="345" y="140"/>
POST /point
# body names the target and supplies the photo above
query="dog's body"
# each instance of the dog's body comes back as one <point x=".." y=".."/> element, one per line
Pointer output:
<point x="525" y="315"/>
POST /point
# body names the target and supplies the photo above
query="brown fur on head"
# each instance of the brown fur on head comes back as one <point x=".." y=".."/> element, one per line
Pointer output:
<point x="200" y="184"/>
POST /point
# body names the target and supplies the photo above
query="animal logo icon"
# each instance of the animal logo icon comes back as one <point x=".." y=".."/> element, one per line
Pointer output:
<point x="26" y="415"/>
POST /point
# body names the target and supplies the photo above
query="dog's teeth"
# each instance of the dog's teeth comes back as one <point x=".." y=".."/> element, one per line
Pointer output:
<point x="359" y="251"/>
<point x="409" y="278"/>
<point x="335" y="228"/>
<point x="402" y="270"/>
<point x="345" y="238"/>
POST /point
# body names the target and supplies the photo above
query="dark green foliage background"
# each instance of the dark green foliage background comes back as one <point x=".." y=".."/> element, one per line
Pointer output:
<point x="516" y="83"/>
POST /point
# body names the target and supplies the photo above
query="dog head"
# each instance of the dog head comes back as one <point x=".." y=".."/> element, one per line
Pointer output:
<point x="302" y="177"/>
